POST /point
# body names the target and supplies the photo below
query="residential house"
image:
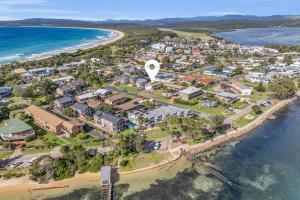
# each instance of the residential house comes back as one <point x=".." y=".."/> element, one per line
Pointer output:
<point x="15" y="129"/>
<point x="205" y="81"/>
<point x="130" y="105"/>
<point x="64" y="102"/>
<point x="241" y="89"/>
<point x="157" y="115"/>
<point x="101" y="94"/>
<point x="196" y="51"/>
<point x="109" y="122"/>
<point x="82" y="110"/>
<point x="115" y="99"/>
<point x="70" y="88"/>
<point x="125" y="79"/>
<point x="190" y="93"/>
<point x="188" y="79"/>
<point x="5" y="92"/>
<point x="228" y="97"/>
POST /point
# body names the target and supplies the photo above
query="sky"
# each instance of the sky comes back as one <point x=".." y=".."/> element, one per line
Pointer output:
<point x="142" y="9"/>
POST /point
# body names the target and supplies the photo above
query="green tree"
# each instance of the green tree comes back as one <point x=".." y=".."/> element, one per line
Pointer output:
<point x="288" y="59"/>
<point x="218" y="122"/>
<point x="238" y="71"/>
<point x="65" y="149"/>
<point x="256" y="109"/>
<point x="260" y="87"/>
<point x="4" y="113"/>
<point x="95" y="163"/>
<point x="210" y="59"/>
<point x="63" y="168"/>
<point x="283" y="88"/>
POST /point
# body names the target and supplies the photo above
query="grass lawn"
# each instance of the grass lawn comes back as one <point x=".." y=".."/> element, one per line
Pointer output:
<point x="44" y="142"/>
<point x="157" y="136"/>
<point x="212" y="111"/>
<point x="240" y="105"/>
<point x="144" y="160"/>
<point x="130" y="89"/>
<point x="256" y="96"/>
<point x="153" y="96"/>
<point x="5" y="154"/>
<point x="241" y="122"/>
<point x="24" y="170"/>
<point x="86" y="143"/>
<point x="20" y="100"/>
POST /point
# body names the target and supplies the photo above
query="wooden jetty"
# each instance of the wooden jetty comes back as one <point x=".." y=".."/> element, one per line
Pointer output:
<point x="106" y="183"/>
<point x="211" y="170"/>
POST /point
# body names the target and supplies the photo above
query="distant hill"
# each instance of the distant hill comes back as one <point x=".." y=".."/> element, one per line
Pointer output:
<point x="224" y="22"/>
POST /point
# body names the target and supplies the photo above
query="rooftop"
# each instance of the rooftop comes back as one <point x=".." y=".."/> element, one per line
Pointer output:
<point x="108" y="117"/>
<point x="44" y="115"/>
<point x="115" y="97"/>
<point x="14" y="126"/>
<point x="190" y="90"/>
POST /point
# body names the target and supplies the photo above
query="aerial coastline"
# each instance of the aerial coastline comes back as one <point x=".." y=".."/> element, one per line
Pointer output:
<point x="113" y="37"/>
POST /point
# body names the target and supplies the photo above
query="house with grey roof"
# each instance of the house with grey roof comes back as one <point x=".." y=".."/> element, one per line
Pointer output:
<point x="64" y="102"/>
<point x="15" y="129"/>
<point x="109" y="122"/>
<point x="228" y="97"/>
<point x="5" y="92"/>
<point x="189" y="93"/>
<point x="157" y="115"/>
<point x="82" y="109"/>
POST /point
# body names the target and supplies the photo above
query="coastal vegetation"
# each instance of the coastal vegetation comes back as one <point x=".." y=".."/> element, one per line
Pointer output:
<point x="283" y="88"/>
<point x="74" y="159"/>
<point x="284" y="48"/>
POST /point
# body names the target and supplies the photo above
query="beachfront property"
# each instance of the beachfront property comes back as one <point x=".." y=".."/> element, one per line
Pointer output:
<point x="228" y="97"/>
<point x="15" y="129"/>
<point x="109" y="122"/>
<point x="52" y="122"/>
<point x="190" y="93"/>
<point x="157" y="115"/>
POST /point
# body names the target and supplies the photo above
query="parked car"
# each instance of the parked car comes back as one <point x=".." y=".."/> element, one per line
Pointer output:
<point x="15" y="165"/>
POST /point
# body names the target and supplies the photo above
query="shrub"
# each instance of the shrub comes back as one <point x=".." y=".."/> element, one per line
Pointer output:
<point x="124" y="163"/>
<point x="191" y="103"/>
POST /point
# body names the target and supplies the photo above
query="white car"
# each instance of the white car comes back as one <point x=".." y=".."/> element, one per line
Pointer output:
<point x="156" y="146"/>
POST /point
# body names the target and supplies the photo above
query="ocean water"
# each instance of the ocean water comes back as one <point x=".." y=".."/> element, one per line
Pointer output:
<point x="19" y="43"/>
<point x="265" y="164"/>
<point x="263" y="36"/>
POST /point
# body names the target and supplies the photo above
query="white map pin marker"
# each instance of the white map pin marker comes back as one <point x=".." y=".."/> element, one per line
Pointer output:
<point x="152" y="67"/>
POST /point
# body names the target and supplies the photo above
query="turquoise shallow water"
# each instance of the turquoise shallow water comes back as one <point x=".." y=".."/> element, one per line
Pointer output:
<point x="18" y="43"/>
<point x="263" y="36"/>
